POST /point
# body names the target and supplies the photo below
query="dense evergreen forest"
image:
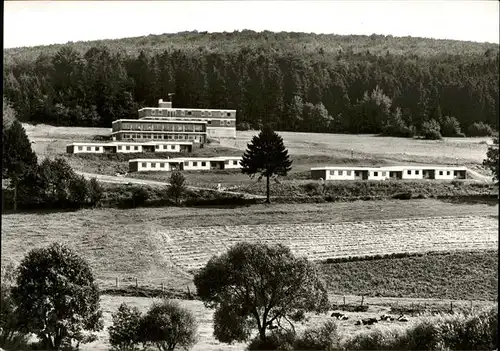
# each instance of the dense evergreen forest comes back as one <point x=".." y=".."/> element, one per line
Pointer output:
<point x="293" y="81"/>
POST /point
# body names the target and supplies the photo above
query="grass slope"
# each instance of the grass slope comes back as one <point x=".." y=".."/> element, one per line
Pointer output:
<point x="396" y="150"/>
<point x="306" y="149"/>
<point x="464" y="275"/>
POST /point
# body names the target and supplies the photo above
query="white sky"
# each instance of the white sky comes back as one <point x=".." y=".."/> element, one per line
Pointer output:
<point x="30" y="23"/>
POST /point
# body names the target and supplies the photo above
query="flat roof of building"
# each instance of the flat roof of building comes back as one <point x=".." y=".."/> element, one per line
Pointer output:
<point x="167" y="121"/>
<point x="186" y="108"/>
<point x="159" y="132"/>
<point x="184" y="118"/>
<point x="184" y="159"/>
<point x="389" y="168"/>
<point x="116" y="143"/>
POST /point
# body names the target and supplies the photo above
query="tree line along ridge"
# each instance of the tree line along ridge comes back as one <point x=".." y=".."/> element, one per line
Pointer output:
<point x="290" y="81"/>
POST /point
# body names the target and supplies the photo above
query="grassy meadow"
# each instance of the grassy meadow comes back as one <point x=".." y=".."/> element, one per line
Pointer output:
<point x="438" y="276"/>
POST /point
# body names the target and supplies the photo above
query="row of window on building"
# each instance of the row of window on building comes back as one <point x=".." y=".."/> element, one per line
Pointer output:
<point x="125" y="147"/>
<point x="383" y="174"/>
<point x="90" y="148"/>
<point x="161" y="136"/>
<point x="222" y="122"/>
<point x="186" y="163"/>
<point x="162" y="127"/>
<point x="183" y="113"/>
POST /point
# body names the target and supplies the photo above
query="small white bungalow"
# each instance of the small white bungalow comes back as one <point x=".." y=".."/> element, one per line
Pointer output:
<point x="389" y="172"/>
<point x="185" y="163"/>
<point x="129" y="147"/>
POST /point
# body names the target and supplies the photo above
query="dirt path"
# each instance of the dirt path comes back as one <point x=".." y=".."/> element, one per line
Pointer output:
<point x="126" y="180"/>
<point x="475" y="175"/>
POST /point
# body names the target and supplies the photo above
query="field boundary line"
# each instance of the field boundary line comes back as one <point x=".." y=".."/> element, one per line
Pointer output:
<point x="344" y="221"/>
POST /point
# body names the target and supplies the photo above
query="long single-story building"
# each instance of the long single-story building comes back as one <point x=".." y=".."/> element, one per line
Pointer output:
<point x="389" y="172"/>
<point x="129" y="147"/>
<point x="184" y="164"/>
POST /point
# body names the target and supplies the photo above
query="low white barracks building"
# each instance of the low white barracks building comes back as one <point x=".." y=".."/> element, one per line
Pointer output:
<point x="389" y="172"/>
<point x="129" y="147"/>
<point x="184" y="164"/>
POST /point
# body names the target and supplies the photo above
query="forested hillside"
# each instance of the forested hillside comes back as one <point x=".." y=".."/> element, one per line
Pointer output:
<point x="294" y="81"/>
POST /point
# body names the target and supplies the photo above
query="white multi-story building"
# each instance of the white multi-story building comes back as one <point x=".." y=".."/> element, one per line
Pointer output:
<point x="220" y="123"/>
<point x="148" y="130"/>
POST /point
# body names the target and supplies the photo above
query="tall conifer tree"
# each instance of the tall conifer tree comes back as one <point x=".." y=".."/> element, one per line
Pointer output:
<point x="266" y="154"/>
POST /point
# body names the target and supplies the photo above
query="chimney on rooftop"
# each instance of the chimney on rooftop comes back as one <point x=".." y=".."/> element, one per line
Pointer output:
<point x="166" y="104"/>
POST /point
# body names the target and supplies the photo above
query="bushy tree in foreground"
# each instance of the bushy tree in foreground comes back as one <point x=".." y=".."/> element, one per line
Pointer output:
<point x="168" y="325"/>
<point x="255" y="286"/>
<point x="491" y="160"/>
<point x="477" y="331"/>
<point x="323" y="337"/>
<point x="57" y="296"/>
<point x="177" y="186"/>
<point x="125" y="332"/>
<point x="12" y="335"/>
<point x="266" y="154"/>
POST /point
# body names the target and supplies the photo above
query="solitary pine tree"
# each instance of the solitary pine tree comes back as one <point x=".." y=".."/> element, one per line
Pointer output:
<point x="18" y="157"/>
<point x="266" y="154"/>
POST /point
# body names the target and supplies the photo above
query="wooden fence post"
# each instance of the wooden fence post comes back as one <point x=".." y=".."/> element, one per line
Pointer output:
<point x="116" y="279"/>
<point x="362" y="299"/>
<point x="344" y="301"/>
<point x="136" y="282"/>
<point x="451" y="306"/>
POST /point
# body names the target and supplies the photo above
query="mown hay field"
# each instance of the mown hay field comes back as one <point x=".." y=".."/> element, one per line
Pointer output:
<point x="161" y="245"/>
<point x="191" y="248"/>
